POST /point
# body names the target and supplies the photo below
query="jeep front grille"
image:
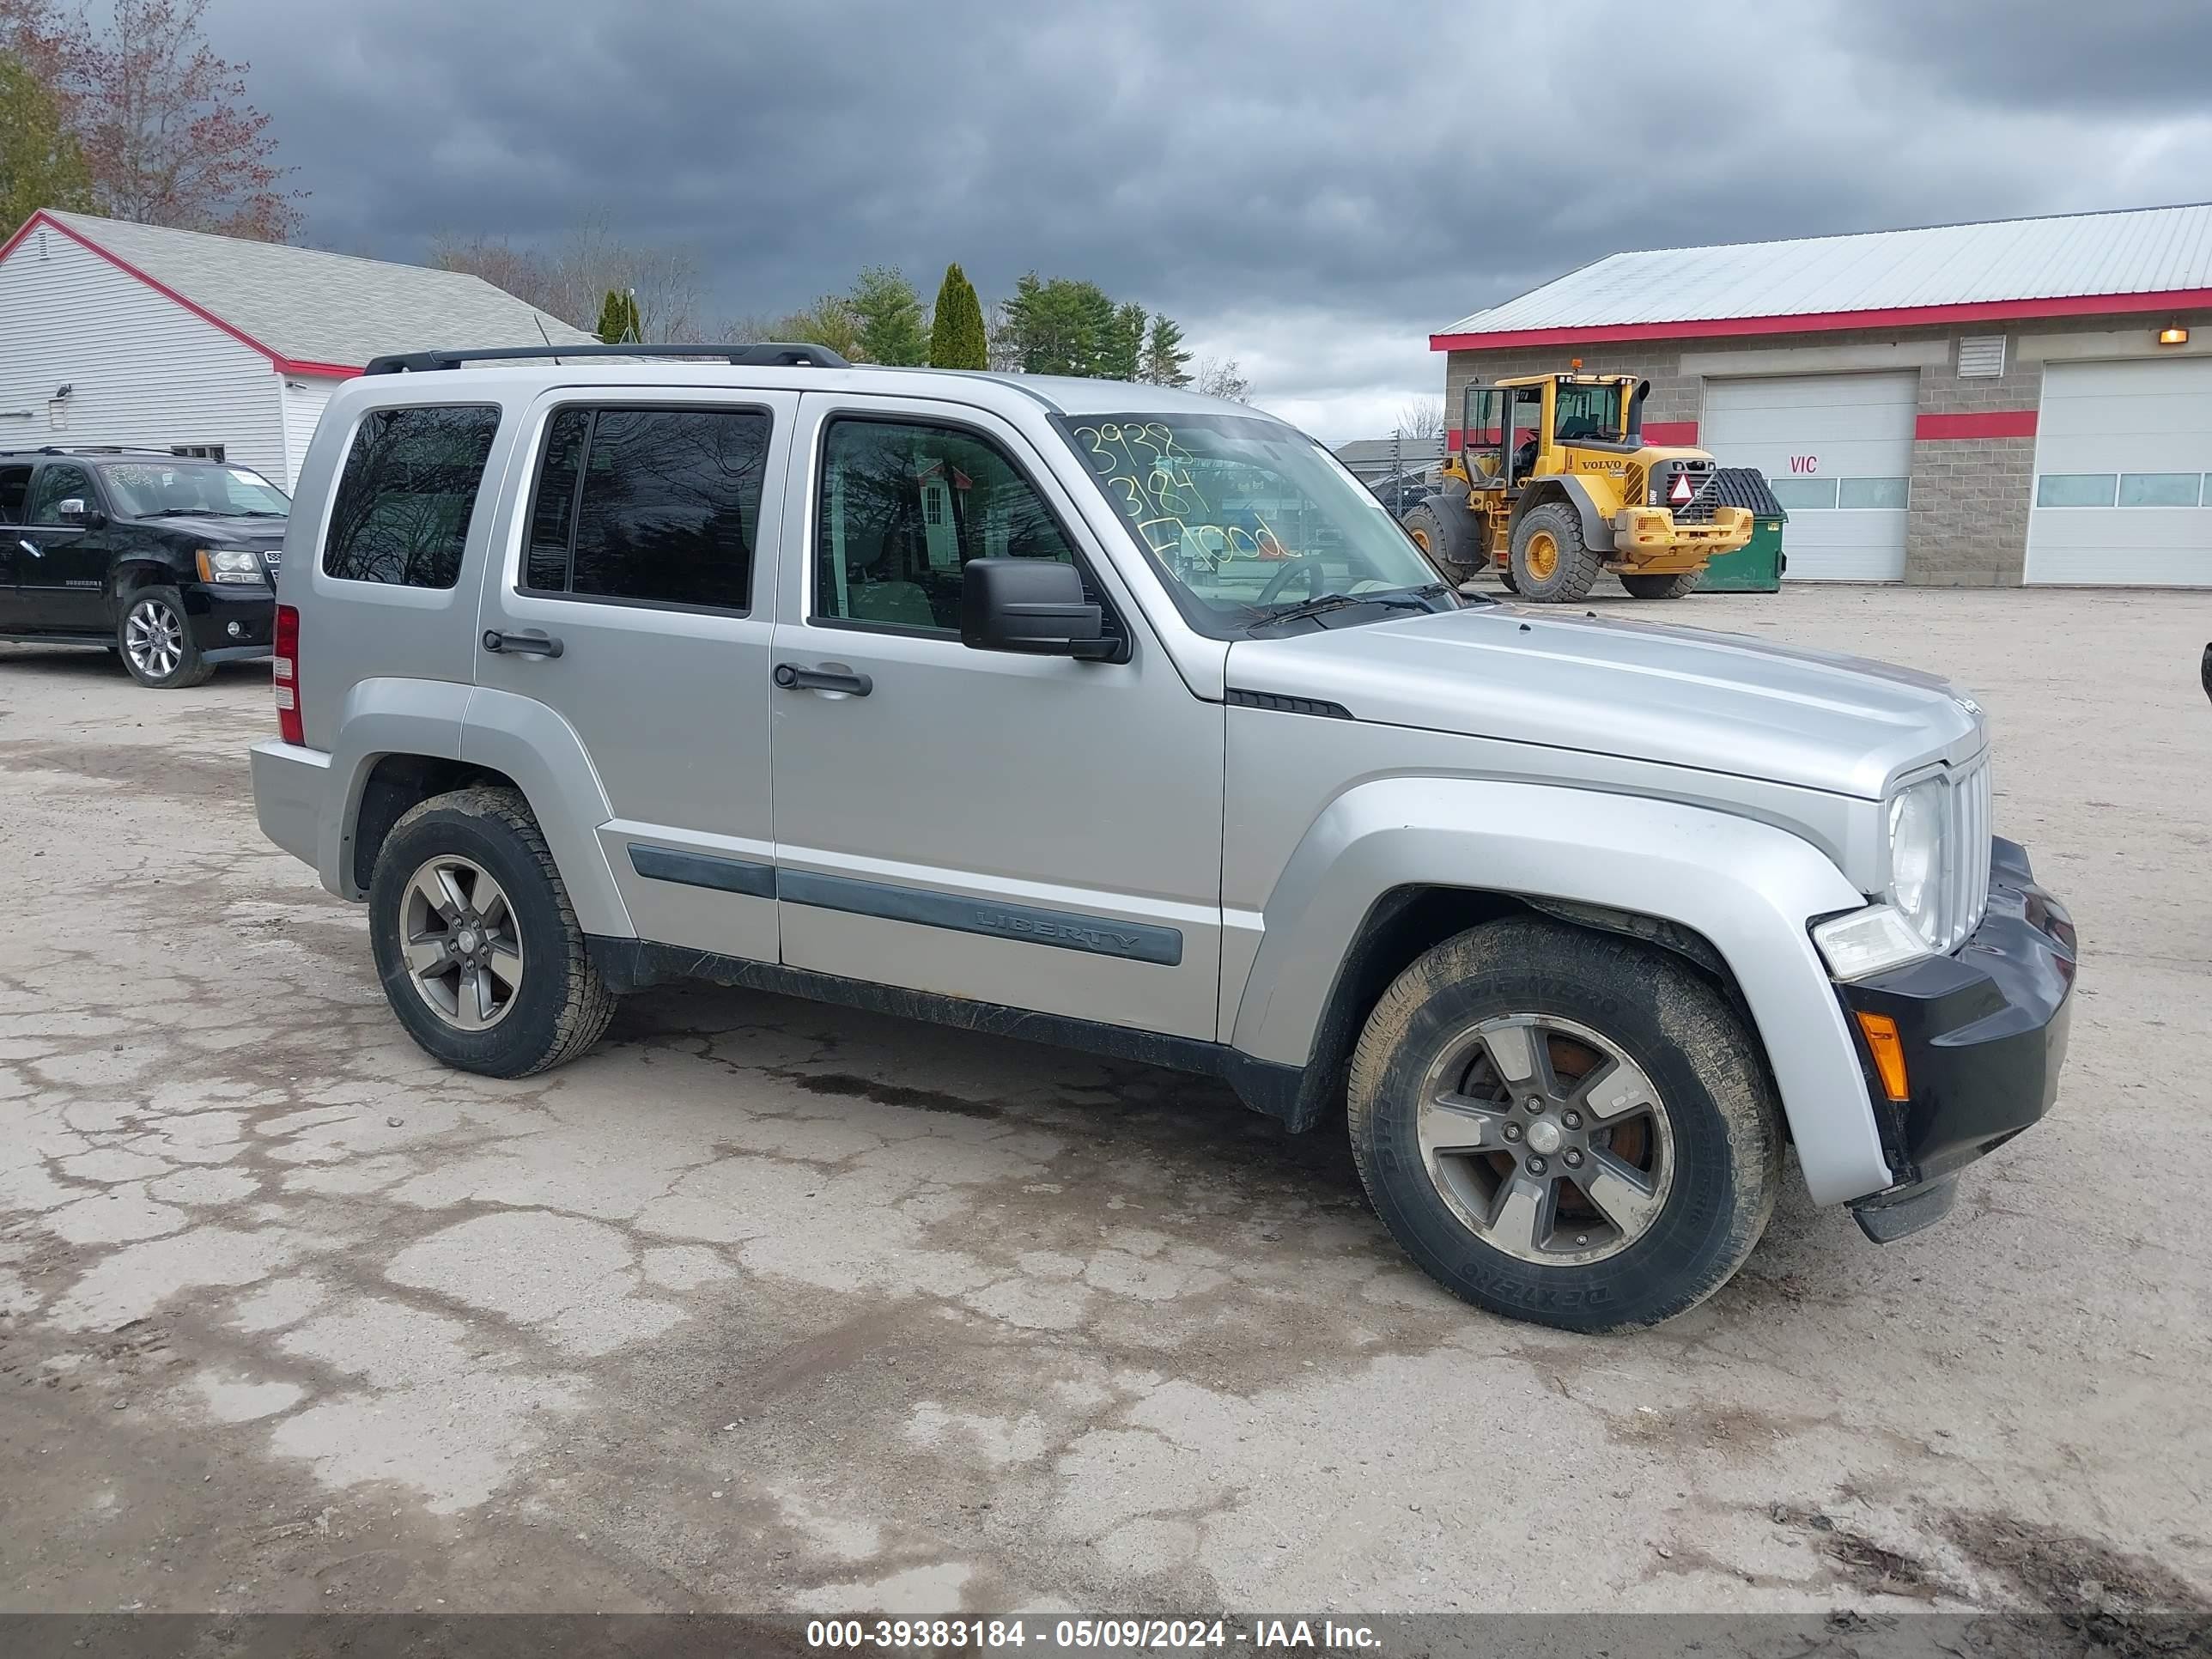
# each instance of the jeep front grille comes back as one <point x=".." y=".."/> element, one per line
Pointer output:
<point x="1966" y="885"/>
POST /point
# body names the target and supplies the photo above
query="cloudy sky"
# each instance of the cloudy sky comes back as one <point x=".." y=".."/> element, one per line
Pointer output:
<point x="1310" y="188"/>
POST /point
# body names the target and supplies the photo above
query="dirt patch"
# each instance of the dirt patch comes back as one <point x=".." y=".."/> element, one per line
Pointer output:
<point x="1859" y="1561"/>
<point x="163" y="770"/>
<point x="890" y="1093"/>
<point x="2125" y="1603"/>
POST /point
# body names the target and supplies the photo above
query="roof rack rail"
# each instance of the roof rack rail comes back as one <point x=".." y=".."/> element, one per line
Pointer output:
<point x="765" y="355"/>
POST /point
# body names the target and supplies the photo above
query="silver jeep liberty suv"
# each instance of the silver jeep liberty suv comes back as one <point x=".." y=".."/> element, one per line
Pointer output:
<point x="1125" y="718"/>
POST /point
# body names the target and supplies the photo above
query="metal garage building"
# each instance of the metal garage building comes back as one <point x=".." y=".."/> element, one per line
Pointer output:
<point x="2028" y="400"/>
<point x="120" y="333"/>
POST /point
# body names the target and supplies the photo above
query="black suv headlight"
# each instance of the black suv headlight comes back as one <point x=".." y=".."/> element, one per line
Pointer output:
<point x="228" y="564"/>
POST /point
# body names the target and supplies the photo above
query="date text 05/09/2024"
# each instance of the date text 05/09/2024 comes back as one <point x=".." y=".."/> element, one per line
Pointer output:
<point x="1088" y="1635"/>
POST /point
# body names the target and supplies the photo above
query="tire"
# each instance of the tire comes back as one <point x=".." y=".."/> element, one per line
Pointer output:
<point x="1702" y="1162"/>
<point x="1446" y="530"/>
<point x="154" y="639"/>
<point x="1550" y="562"/>
<point x="1506" y="577"/>
<point x="1663" y="587"/>
<point x="556" y="1005"/>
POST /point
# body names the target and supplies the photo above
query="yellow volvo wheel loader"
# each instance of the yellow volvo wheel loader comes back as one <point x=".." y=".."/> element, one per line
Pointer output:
<point x="1553" y="483"/>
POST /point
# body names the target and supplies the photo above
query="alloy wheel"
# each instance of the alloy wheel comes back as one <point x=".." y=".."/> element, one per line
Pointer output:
<point x="154" y="634"/>
<point x="1546" y="1139"/>
<point x="461" y="941"/>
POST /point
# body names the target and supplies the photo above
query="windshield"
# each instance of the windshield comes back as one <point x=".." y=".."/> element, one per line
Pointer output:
<point x="1253" y="523"/>
<point x="1587" y="413"/>
<point x="146" y="489"/>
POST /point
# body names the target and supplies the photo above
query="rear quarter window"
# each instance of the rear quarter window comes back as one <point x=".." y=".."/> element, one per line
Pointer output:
<point x="407" y="496"/>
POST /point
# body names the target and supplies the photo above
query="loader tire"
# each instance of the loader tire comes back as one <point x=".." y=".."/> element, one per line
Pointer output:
<point x="1662" y="587"/>
<point x="1551" y="563"/>
<point x="1445" y="530"/>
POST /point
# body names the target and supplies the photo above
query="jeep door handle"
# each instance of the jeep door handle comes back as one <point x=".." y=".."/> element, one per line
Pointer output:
<point x="531" y="643"/>
<point x="34" y="552"/>
<point x="792" y="678"/>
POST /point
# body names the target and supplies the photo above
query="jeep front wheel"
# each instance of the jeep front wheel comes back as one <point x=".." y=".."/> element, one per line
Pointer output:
<point x="1564" y="1127"/>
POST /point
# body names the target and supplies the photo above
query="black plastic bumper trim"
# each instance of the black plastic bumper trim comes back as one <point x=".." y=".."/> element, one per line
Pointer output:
<point x="1984" y="1029"/>
<point x="724" y="875"/>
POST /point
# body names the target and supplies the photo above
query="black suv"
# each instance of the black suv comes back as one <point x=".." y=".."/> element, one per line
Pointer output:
<point x="169" y="561"/>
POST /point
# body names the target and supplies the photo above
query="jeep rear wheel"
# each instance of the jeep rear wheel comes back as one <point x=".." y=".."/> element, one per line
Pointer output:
<point x="1550" y="561"/>
<point x="476" y="942"/>
<point x="1564" y="1127"/>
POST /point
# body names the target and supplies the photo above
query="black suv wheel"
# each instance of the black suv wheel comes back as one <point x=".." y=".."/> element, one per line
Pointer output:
<point x="155" y="640"/>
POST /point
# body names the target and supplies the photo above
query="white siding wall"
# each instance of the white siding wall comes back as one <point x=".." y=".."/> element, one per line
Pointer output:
<point x="145" y="370"/>
<point x="303" y="397"/>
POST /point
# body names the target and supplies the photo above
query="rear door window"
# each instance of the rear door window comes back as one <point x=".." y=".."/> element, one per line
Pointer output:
<point x="404" y="503"/>
<point x="15" y="491"/>
<point x="648" y="506"/>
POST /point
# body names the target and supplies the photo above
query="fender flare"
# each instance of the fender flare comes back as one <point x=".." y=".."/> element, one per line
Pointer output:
<point x="1748" y="887"/>
<point x="383" y="717"/>
<point x="1597" y="529"/>
<point x="515" y="736"/>
<point x="532" y="743"/>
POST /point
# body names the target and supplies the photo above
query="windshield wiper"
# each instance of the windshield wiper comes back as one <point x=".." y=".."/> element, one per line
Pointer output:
<point x="181" y="512"/>
<point x="254" y="513"/>
<point x="1323" y="604"/>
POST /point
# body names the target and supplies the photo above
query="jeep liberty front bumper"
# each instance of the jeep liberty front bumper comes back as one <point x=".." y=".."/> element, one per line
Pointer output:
<point x="1983" y="1034"/>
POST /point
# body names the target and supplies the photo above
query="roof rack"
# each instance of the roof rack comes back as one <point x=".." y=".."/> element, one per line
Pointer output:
<point x="766" y="355"/>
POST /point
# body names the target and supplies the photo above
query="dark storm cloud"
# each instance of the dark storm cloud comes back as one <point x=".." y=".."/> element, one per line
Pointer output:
<point x="1311" y="187"/>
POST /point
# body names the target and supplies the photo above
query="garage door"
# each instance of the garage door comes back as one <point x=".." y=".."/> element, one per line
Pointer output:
<point x="2121" y="452"/>
<point x="1837" y="449"/>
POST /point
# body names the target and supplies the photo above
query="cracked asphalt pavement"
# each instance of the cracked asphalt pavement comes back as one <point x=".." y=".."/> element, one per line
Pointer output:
<point x="767" y="1306"/>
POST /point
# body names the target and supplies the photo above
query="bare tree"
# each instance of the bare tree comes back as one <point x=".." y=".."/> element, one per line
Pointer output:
<point x="163" y="124"/>
<point x="1220" y="377"/>
<point x="573" y="281"/>
<point x="1421" y="420"/>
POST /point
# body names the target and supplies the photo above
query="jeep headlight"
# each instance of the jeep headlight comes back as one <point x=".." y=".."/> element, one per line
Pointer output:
<point x="228" y="564"/>
<point x="1905" y="923"/>
<point x="1915" y="857"/>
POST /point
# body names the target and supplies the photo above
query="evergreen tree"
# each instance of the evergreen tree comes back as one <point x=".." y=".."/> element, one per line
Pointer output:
<point x="40" y="164"/>
<point x="956" y="339"/>
<point x="1063" y="327"/>
<point x="619" y="323"/>
<point x="1165" y="356"/>
<point x="1125" y="344"/>
<point x="892" y="330"/>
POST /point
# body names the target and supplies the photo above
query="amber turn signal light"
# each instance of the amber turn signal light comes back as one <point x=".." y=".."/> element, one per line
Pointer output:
<point x="1888" y="1050"/>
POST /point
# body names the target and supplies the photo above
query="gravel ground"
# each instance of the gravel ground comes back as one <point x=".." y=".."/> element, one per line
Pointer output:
<point x="767" y="1306"/>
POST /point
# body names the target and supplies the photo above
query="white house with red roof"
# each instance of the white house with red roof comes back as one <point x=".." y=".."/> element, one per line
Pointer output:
<point x="120" y="333"/>
<point x="2025" y="400"/>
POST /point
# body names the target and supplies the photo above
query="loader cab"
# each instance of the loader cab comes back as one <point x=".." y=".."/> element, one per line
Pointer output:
<point x="1502" y="430"/>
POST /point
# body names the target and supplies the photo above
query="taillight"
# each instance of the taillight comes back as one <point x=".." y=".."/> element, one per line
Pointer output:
<point x="286" y="675"/>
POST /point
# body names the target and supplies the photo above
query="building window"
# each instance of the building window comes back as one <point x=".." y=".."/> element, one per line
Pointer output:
<point x="1892" y="493"/>
<point x="2076" y="489"/>
<point x="1800" y="494"/>
<point x="2159" y="489"/>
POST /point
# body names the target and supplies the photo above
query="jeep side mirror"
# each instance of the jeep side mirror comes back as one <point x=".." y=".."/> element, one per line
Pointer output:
<point x="1035" y="606"/>
<point x="72" y="511"/>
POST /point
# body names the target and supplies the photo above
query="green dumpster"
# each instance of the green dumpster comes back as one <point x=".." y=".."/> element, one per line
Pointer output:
<point x="1756" y="566"/>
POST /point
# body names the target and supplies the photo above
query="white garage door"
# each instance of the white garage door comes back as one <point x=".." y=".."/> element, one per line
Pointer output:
<point x="2121" y="452"/>
<point x="1838" y="450"/>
